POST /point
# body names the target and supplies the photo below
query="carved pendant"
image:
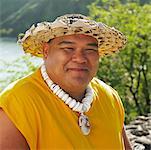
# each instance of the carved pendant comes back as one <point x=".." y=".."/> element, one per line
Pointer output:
<point x="84" y="124"/>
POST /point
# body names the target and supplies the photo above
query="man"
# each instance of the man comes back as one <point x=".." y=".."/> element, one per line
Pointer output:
<point x="62" y="105"/>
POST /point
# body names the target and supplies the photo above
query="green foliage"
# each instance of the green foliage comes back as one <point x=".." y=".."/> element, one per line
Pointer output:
<point x="16" y="70"/>
<point x="129" y="71"/>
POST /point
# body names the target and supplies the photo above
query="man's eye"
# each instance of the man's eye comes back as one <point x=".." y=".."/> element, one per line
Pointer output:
<point x="91" y="50"/>
<point x="67" y="49"/>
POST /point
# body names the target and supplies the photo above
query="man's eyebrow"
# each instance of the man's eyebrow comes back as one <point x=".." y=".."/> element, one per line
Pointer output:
<point x="66" y="42"/>
<point x="93" y="44"/>
<point x="69" y="42"/>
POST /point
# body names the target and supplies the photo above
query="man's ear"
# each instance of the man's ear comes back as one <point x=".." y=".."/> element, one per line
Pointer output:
<point x="45" y="50"/>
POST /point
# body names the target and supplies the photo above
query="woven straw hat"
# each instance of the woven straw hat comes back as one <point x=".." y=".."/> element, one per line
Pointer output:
<point x="109" y="39"/>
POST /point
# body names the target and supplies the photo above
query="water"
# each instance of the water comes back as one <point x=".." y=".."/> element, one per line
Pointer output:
<point x="10" y="53"/>
<point x="10" y="50"/>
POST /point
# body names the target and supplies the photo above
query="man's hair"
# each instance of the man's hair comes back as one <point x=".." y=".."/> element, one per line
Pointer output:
<point x="49" y="40"/>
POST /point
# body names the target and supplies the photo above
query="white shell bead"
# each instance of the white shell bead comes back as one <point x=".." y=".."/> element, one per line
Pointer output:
<point x="84" y="108"/>
<point x="61" y="94"/>
<point x="89" y="98"/>
<point x="88" y="89"/>
<point x="68" y="100"/>
<point x="88" y="94"/>
<point x="65" y="97"/>
<point x="87" y="104"/>
<point x="84" y="100"/>
<point x="76" y="106"/>
<point x="79" y="108"/>
<point x="72" y="103"/>
<point x="45" y="76"/>
<point x="56" y="88"/>
<point x="49" y="82"/>
<point x="57" y="93"/>
<point x="52" y="86"/>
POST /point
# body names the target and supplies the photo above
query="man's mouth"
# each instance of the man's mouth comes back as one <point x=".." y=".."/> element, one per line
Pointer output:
<point x="78" y="69"/>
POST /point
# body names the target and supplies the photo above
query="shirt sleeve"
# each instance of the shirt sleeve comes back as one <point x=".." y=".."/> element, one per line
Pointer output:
<point x="119" y="106"/>
<point x="20" y="112"/>
<point x="115" y="100"/>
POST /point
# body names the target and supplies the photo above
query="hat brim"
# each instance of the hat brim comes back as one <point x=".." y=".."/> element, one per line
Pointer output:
<point x="109" y="39"/>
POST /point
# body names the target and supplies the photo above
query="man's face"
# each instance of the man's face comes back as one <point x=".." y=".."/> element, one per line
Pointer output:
<point x="71" y="61"/>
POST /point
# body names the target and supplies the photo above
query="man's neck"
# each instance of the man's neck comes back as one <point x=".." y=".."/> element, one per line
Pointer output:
<point x="78" y="96"/>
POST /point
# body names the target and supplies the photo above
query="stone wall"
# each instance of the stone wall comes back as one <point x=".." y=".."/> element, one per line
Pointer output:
<point x="139" y="133"/>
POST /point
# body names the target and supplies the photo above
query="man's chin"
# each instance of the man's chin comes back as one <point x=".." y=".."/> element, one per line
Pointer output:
<point x="79" y="81"/>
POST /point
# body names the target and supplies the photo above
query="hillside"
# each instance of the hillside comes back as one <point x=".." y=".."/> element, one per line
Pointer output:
<point x="20" y="14"/>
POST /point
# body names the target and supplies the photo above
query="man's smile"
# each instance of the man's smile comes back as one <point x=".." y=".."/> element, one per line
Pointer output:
<point x="78" y="69"/>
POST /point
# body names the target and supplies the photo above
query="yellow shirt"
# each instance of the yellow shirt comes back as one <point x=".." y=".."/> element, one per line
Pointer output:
<point x="47" y="122"/>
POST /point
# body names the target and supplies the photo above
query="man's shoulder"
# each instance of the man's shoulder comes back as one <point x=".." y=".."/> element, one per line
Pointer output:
<point x="103" y="90"/>
<point x="95" y="82"/>
<point x="18" y="86"/>
<point x="100" y="86"/>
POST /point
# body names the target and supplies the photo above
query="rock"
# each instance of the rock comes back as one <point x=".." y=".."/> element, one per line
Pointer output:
<point x="144" y="141"/>
<point x="143" y="118"/>
<point x="136" y="122"/>
<point x="138" y="146"/>
<point x="129" y="127"/>
<point x="139" y="133"/>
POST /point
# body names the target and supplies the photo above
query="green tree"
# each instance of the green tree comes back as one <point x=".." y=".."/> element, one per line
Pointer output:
<point x="129" y="71"/>
<point x="17" y="69"/>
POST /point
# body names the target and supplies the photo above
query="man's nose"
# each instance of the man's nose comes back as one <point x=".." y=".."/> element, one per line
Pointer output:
<point x="79" y="57"/>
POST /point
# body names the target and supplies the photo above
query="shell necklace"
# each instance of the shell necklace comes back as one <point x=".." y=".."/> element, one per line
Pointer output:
<point x="79" y="107"/>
